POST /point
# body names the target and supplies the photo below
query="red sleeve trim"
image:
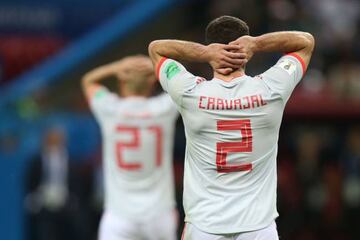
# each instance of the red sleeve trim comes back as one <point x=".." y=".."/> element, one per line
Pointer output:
<point x="300" y="60"/>
<point x="158" y="67"/>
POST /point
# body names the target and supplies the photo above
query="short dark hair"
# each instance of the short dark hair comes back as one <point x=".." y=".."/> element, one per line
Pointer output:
<point x="225" y="29"/>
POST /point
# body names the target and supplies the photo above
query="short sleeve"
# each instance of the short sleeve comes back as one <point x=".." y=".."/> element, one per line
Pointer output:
<point x="175" y="79"/>
<point x="102" y="102"/>
<point x="283" y="77"/>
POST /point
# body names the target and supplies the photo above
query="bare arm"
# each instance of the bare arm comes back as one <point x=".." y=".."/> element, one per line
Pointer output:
<point x="301" y="43"/>
<point x="219" y="56"/>
<point x="91" y="80"/>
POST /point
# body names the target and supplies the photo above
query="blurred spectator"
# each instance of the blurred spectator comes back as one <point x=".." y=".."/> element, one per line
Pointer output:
<point x="338" y="19"/>
<point x="51" y="199"/>
<point x="351" y="167"/>
<point x="282" y="14"/>
<point x="344" y="79"/>
<point x="350" y="161"/>
<point x="313" y="82"/>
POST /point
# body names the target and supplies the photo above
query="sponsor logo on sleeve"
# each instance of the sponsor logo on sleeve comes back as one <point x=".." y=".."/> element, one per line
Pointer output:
<point x="288" y="66"/>
<point x="99" y="94"/>
<point x="171" y="70"/>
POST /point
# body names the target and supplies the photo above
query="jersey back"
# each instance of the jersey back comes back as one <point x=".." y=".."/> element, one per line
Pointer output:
<point x="231" y="144"/>
<point x="138" y="136"/>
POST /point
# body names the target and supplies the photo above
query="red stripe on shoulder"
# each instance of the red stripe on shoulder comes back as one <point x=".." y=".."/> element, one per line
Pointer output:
<point x="300" y="60"/>
<point x="162" y="60"/>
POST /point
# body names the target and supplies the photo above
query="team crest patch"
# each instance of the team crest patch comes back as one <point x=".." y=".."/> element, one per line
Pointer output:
<point x="288" y="66"/>
<point x="171" y="70"/>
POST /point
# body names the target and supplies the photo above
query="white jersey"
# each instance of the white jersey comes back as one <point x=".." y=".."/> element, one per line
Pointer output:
<point x="231" y="132"/>
<point x="138" y="136"/>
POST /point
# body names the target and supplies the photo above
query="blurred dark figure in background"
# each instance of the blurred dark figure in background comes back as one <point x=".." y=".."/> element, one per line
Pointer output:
<point x="350" y="161"/>
<point x="51" y="200"/>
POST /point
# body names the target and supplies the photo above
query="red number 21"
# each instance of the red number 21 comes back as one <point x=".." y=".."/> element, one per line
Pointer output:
<point x="135" y="143"/>
<point x="223" y="148"/>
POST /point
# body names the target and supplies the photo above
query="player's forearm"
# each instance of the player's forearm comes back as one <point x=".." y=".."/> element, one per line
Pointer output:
<point x="178" y="50"/>
<point x="285" y="42"/>
<point x="98" y="74"/>
<point x="91" y="80"/>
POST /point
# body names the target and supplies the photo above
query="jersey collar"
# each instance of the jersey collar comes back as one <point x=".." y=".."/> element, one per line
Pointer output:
<point x="234" y="80"/>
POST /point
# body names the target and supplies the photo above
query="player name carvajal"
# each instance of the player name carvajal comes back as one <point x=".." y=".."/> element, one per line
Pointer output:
<point x="247" y="102"/>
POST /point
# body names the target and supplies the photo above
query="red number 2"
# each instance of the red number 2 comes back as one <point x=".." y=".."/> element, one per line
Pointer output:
<point x="134" y="144"/>
<point x="223" y="148"/>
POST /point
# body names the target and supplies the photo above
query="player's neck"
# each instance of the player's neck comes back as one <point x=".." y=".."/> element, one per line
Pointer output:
<point x="126" y="94"/>
<point x="231" y="76"/>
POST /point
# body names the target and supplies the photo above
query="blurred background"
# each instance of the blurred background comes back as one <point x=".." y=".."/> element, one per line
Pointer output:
<point x="45" y="48"/>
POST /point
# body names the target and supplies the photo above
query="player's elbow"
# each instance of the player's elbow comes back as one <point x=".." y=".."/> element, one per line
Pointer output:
<point x="85" y="80"/>
<point x="153" y="46"/>
<point x="156" y="51"/>
<point x="309" y="41"/>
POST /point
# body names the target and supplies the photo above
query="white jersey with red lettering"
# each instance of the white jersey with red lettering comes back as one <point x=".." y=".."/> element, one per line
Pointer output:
<point x="138" y="136"/>
<point x="231" y="143"/>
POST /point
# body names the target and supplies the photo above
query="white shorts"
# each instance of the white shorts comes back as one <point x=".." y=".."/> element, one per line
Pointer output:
<point x="191" y="232"/>
<point x="163" y="227"/>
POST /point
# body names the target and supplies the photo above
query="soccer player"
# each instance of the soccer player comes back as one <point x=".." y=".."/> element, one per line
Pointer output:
<point x="232" y="124"/>
<point x="138" y="135"/>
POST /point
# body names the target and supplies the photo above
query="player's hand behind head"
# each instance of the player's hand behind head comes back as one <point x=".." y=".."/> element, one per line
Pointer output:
<point x="225" y="58"/>
<point x="133" y="67"/>
<point x="246" y="46"/>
